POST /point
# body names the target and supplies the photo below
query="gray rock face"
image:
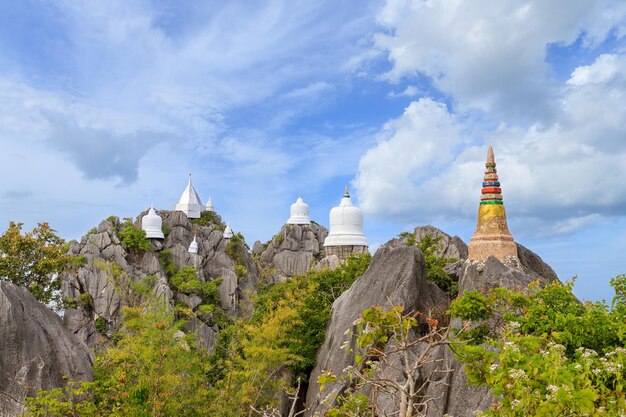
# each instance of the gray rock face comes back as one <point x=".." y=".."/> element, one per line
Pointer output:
<point x="97" y="287"/>
<point x="293" y="251"/>
<point x="397" y="274"/>
<point x="36" y="350"/>
<point x="455" y="396"/>
<point x="395" y="277"/>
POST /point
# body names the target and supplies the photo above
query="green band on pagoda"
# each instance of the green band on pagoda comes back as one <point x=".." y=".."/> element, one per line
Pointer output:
<point x="490" y="165"/>
<point x="492" y="202"/>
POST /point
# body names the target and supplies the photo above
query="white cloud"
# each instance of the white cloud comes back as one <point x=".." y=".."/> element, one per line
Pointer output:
<point x="565" y="175"/>
<point x="491" y="55"/>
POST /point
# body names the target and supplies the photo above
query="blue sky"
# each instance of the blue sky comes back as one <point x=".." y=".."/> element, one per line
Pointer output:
<point x="106" y="106"/>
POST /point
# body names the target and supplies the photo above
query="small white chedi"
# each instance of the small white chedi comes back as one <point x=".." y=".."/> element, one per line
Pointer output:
<point x="193" y="247"/>
<point x="228" y="232"/>
<point x="346" y="230"/>
<point x="209" y="205"/>
<point x="189" y="202"/>
<point x="152" y="224"/>
<point x="299" y="212"/>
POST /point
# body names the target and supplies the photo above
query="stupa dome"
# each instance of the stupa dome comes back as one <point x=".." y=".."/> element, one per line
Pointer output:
<point x="152" y="224"/>
<point x="189" y="202"/>
<point x="209" y="205"/>
<point x="346" y="224"/>
<point x="228" y="232"/>
<point x="193" y="247"/>
<point x="299" y="212"/>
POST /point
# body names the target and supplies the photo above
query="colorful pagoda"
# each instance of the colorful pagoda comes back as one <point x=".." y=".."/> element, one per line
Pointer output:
<point x="492" y="236"/>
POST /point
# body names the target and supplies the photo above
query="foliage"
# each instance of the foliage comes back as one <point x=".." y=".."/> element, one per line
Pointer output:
<point x="235" y="248"/>
<point x="133" y="240"/>
<point x="101" y="325"/>
<point x="207" y="218"/>
<point x="542" y="352"/>
<point x="134" y="292"/>
<point x="168" y="264"/>
<point x="34" y="260"/>
<point x="316" y="292"/>
<point x="166" y="230"/>
<point x="386" y="340"/>
<point x="433" y="262"/>
<point x="151" y="371"/>
<point x="241" y="271"/>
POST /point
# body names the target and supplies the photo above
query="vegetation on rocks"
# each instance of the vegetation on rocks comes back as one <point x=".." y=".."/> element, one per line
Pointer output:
<point x="133" y="240"/>
<point x="434" y="264"/>
<point x="542" y="352"/>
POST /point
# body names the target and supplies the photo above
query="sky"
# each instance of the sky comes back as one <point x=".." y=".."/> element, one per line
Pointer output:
<point x="105" y="107"/>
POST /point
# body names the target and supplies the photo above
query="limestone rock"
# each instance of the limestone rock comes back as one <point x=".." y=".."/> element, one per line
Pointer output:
<point x="100" y="287"/>
<point x="331" y="262"/>
<point x="36" y="350"/>
<point x="293" y="251"/>
<point x="396" y="276"/>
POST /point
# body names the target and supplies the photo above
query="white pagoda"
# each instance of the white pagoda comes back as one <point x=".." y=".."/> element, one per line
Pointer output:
<point x="189" y="202"/>
<point x="299" y="212"/>
<point x="152" y="224"/>
<point x="346" y="230"/>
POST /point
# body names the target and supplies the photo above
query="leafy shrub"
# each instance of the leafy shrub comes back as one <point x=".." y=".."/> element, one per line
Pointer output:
<point x="101" y="325"/>
<point x="133" y="240"/>
<point x="207" y="218"/>
<point x="240" y="271"/>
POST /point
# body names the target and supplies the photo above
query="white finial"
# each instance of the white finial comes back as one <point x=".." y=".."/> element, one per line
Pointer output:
<point x="209" y="205"/>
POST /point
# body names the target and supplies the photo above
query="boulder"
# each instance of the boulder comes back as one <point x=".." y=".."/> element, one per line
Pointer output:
<point x="396" y="276"/>
<point x="36" y="350"/>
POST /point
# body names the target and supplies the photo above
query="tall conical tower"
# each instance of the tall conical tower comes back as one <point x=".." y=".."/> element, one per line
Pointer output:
<point x="492" y="236"/>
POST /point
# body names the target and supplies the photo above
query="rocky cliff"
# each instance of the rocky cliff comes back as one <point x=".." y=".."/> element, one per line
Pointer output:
<point x="97" y="291"/>
<point x="37" y="350"/>
<point x="294" y="250"/>
<point x="396" y="276"/>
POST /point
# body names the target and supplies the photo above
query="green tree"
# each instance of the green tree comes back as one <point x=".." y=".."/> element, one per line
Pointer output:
<point x="133" y="240"/>
<point x="152" y="370"/>
<point x="542" y="352"/>
<point x="34" y="260"/>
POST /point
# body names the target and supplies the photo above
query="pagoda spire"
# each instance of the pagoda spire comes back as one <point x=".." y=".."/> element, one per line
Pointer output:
<point x="492" y="236"/>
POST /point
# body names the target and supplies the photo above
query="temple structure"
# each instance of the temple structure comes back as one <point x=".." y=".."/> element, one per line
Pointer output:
<point x="492" y="236"/>
<point x="193" y="247"/>
<point x="152" y="224"/>
<point x="346" y="230"/>
<point x="209" y="205"/>
<point x="299" y="212"/>
<point x="189" y="202"/>
<point x="228" y="232"/>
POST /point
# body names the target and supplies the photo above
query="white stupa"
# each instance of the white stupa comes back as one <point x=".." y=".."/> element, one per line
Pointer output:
<point x="193" y="247"/>
<point x="228" y="232"/>
<point x="209" y="205"/>
<point x="189" y="202"/>
<point x="299" y="212"/>
<point x="152" y="224"/>
<point x="346" y="229"/>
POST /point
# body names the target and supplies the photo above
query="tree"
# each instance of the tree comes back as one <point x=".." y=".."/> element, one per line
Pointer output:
<point x="152" y="370"/>
<point x="542" y="352"/>
<point x="34" y="260"/>
<point x="395" y="360"/>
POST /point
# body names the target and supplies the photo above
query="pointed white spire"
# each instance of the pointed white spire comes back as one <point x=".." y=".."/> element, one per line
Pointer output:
<point x="209" y="205"/>
<point x="152" y="224"/>
<point x="189" y="202"/>
<point x="193" y="247"/>
<point x="228" y="232"/>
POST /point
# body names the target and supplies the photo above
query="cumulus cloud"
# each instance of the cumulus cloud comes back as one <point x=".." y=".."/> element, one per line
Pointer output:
<point x="565" y="175"/>
<point x="491" y="55"/>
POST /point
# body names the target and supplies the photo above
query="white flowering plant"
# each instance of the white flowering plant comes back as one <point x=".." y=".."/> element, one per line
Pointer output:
<point x="544" y="353"/>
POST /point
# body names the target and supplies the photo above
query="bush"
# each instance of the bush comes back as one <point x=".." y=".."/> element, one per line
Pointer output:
<point x="101" y="325"/>
<point x="133" y="240"/>
<point x="207" y="218"/>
